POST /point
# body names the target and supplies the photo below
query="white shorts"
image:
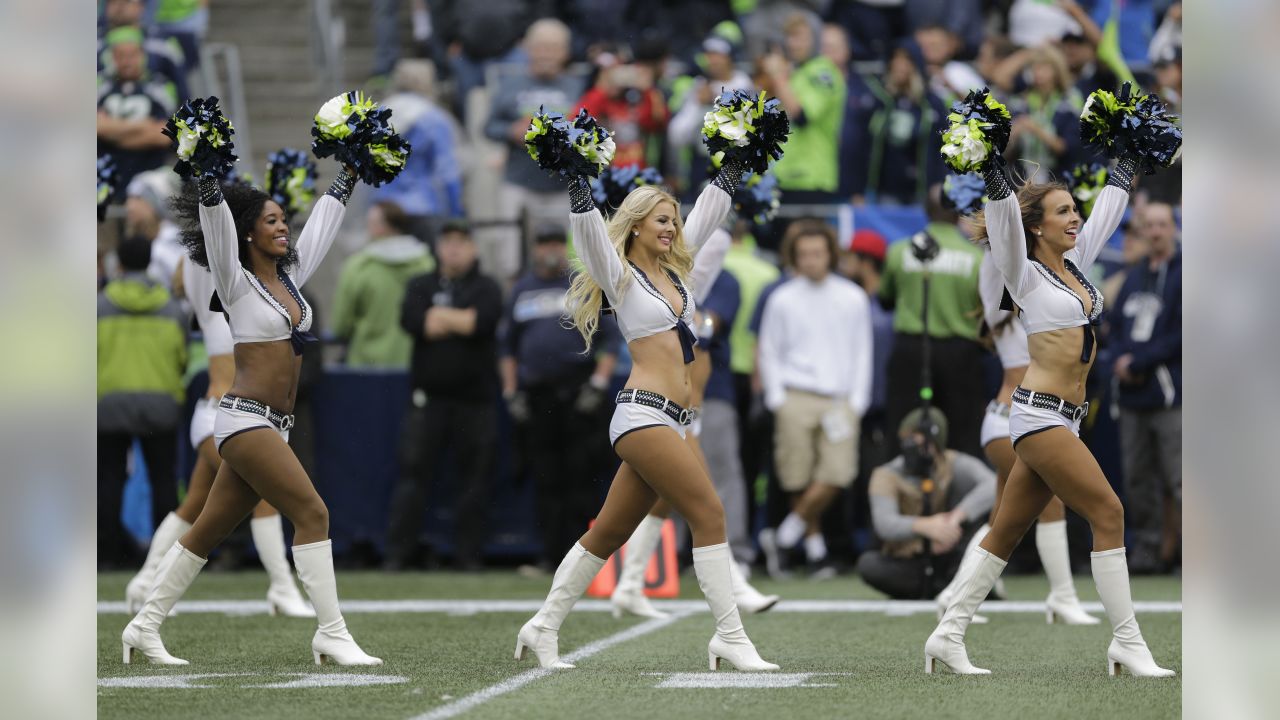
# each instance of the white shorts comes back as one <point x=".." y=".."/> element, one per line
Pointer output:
<point x="230" y="423"/>
<point x="1025" y="420"/>
<point x="202" y="421"/>
<point x="629" y="417"/>
<point x="695" y="425"/>
<point x="995" y="424"/>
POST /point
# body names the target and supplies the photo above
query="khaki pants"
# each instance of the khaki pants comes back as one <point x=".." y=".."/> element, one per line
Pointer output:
<point x="804" y="452"/>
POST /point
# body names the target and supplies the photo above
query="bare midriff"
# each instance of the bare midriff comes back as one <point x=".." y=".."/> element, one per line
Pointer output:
<point x="1011" y="379"/>
<point x="222" y="373"/>
<point x="657" y="365"/>
<point x="267" y="372"/>
<point x="1055" y="364"/>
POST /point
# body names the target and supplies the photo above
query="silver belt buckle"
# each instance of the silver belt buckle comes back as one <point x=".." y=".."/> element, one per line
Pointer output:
<point x="1081" y="411"/>
<point x="286" y="422"/>
<point x="684" y="416"/>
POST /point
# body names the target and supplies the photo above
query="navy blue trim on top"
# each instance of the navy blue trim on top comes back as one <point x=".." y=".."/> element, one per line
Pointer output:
<point x="687" y="339"/>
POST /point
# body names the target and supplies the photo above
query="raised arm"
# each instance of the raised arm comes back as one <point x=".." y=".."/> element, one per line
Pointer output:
<point x="1107" y="213"/>
<point x="1004" y="228"/>
<point x="322" y="227"/>
<point x="712" y="206"/>
<point x="220" y="241"/>
<point x="591" y="240"/>
<point x="708" y="264"/>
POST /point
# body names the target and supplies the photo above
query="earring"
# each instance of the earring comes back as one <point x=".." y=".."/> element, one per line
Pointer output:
<point x="635" y="233"/>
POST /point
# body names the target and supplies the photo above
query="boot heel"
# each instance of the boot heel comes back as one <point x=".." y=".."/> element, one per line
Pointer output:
<point x="128" y="653"/>
<point x="928" y="664"/>
<point x="617" y="613"/>
<point x="520" y="650"/>
<point x="272" y="609"/>
<point x="318" y="656"/>
<point x="1113" y="668"/>
<point x="1048" y="616"/>
<point x="714" y="661"/>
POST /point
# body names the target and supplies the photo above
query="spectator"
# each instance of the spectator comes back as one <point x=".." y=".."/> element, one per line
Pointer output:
<point x="166" y="58"/>
<point x="691" y="104"/>
<point x="948" y="78"/>
<point x="452" y="314"/>
<point x="812" y="90"/>
<point x="555" y="393"/>
<point x="1046" y="118"/>
<point x="815" y="365"/>
<point x="1166" y="184"/>
<point x="386" y="32"/>
<point x="371" y="288"/>
<point x="925" y="495"/>
<point x="142" y="354"/>
<point x="479" y="34"/>
<point x="182" y="16"/>
<point x="625" y="100"/>
<point x="1148" y="369"/>
<point x="873" y="25"/>
<point x="527" y="190"/>
<point x="763" y="25"/>
<point x="963" y="20"/>
<point x="147" y="215"/>
<point x="864" y="265"/>
<point x="1033" y="23"/>
<point x="753" y="274"/>
<point x="132" y="108"/>
<point x="1168" y="37"/>
<point x="429" y="189"/>
<point x="1081" y="54"/>
<point x="955" y="312"/>
<point x="1133" y="250"/>
<point x="895" y="130"/>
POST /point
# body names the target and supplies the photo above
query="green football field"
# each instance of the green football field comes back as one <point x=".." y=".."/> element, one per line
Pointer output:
<point x="447" y="642"/>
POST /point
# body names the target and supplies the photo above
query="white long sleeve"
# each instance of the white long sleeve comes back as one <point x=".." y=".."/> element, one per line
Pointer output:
<point x="709" y="211"/>
<point x="1008" y="243"/>
<point x="220" y="242"/>
<point x="591" y="242"/>
<point x="317" y="237"/>
<point x="708" y="264"/>
<point x="817" y="337"/>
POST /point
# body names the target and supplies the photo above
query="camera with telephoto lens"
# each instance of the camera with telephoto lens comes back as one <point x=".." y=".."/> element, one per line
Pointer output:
<point x="924" y="247"/>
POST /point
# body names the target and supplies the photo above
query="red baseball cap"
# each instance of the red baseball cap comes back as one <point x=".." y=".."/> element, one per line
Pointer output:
<point x="868" y="242"/>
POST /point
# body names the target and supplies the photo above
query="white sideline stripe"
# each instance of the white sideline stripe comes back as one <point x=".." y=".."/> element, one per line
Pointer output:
<point x="471" y="607"/>
<point x="480" y="697"/>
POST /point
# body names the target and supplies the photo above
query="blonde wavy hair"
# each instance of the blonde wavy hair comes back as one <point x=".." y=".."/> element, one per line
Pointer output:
<point x="585" y="297"/>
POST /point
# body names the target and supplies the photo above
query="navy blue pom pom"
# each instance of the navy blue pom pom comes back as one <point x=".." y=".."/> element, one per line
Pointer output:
<point x="758" y="198"/>
<point x="202" y="139"/>
<point x="963" y="193"/>
<point x="291" y="180"/>
<point x="583" y="148"/>
<point x="746" y="128"/>
<point x="108" y="184"/>
<point x="358" y="132"/>
<point x="1131" y="124"/>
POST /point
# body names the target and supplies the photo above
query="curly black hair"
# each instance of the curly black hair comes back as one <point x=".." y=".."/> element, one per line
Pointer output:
<point x="246" y="203"/>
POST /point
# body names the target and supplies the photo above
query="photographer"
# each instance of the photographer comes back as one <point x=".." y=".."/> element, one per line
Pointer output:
<point x="625" y="100"/>
<point x="925" y="495"/>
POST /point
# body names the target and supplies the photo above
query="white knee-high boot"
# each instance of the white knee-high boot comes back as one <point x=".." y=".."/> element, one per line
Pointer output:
<point x="1062" y="604"/>
<point x="946" y="644"/>
<point x="747" y="598"/>
<point x="628" y="596"/>
<point x="948" y="593"/>
<point x="713" y="566"/>
<point x="1111" y="575"/>
<point x="332" y="640"/>
<point x="166" y="534"/>
<point x="175" y="574"/>
<point x="283" y="597"/>
<point x="542" y="633"/>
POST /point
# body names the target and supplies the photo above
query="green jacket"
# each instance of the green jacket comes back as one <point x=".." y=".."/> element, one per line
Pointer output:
<point x="811" y="155"/>
<point x="753" y="273"/>
<point x="366" y="311"/>
<point x="955" y="309"/>
<point x="142" y="353"/>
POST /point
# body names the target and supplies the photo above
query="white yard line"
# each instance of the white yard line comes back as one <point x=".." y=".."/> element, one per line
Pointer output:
<point x="471" y="607"/>
<point x="470" y="702"/>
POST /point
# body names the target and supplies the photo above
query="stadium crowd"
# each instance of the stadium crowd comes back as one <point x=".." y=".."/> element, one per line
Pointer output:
<point x="499" y="392"/>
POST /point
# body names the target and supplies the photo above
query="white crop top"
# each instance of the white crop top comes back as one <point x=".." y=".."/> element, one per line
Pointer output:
<point x="639" y="306"/>
<point x="1045" y="301"/>
<point x="197" y="286"/>
<point x="708" y="263"/>
<point x="254" y="313"/>
<point x="1011" y="338"/>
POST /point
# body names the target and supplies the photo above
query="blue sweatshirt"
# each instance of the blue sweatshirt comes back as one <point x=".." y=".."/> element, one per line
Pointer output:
<point x="722" y="300"/>
<point x="1147" y="323"/>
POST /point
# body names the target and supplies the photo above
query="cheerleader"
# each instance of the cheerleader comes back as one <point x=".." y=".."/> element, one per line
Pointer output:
<point x="283" y="598"/>
<point x="640" y="262"/>
<point x="1010" y="337"/>
<point x="240" y="234"/>
<point x="1043" y="250"/>
<point x="628" y="596"/>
